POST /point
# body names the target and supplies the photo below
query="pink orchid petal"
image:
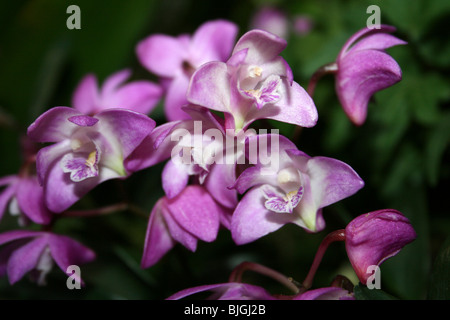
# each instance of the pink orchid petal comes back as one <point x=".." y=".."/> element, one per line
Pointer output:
<point x="176" y="98"/>
<point x="197" y="212"/>
<point x="262" y="46"/>
<point x="6" y="195"/>
<point x="360" y="75"/>
<point x="53" y="125"/>
<point x="86" y="97"/>
<point x="31" y="200"/>
<point x="161" y="54"/>
<point x="25" y="258"/>
<point x="139" y="96"/>
<point x="66" y="251"/>
<point x="158" y="240"/>
<point x="251" y="220"/>
<point x="127" y="128"/>
<point x="210" y="87"/>
<point x="373" y="237"/>
<point x="220" y="177"/>
<point x="174" y="178"/>
<point x="213" y="41"/>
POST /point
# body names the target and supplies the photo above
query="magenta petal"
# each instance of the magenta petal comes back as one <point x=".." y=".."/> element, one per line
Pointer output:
<point x="332" y="180"/>
<point x="31" y="200"/>
<point x="52" y="125"/>
<point x="178" y="233"/>
<point x="174" y="178"/>
<point x="161" y="54"/>
<point x="140" y="96"/>
<point x="196" y="211"/>
<point x="155" y="148"/>
<point x="251" y="177"/>
<point x="295" y="107"/>
<point x="190" y="291"/>
<point x="9" y="236"/>
<point x="176" y="98"/>
<point x="378" y="41"/>
<point x="214" y="40"/>
<point x="25" y="258"/>
<point x="83" y="121"/>
<point x="262" y="46"/>
<point x="85" y="98"/>
<point x="129" y="128"/>
<point x="66" y="251"/>
<point x="360" y="75"/>
<point x="113" y="83"/>
<point x="226" y="291"/>
<point x="157" y="239"/>
<point x="210" y="87"/>
<point x="251" y="220"/>
<point x="5" y="196"/>
<point x="365" y="32"/>
<point x="48" y="157"/>
<point x="61" y="192"/>
<point x="329" y="293"/>
<point x="220" y="177"/>
<point x="373" y="237"/>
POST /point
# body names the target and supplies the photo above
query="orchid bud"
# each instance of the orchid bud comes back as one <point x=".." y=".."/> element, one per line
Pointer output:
<point x="373" y="237"/>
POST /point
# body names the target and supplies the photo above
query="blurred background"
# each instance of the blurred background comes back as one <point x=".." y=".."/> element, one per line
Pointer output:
<point x="402" y="151"/>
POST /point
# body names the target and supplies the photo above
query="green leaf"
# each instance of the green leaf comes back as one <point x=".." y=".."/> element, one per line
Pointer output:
<point x="438" y="141"/>
<point x="440" y="277"/>
<point x="361" y="292"/>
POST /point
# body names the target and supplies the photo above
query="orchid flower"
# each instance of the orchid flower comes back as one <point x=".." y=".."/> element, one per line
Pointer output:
<point x="190" y="216"/>
<point x="293" y="191"/>
<point x="363" y="68"/>
<point x="255" y="83"/>
<point x="373" y="237"/>
<point x="86" y="150"/>
<point x="140" y="96"/>
<point x="26" y="251"/>
<point x="174" y="59"/>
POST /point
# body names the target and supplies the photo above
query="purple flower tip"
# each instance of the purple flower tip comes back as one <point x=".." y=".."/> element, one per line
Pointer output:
<point x="373" y="237"/>
<point x="364" y="68"/>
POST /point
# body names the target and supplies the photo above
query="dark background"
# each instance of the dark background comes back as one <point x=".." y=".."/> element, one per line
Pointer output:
<point x="401" y="151"/>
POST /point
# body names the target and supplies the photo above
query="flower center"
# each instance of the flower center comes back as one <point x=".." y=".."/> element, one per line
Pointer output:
<point x="265" y="92"/>
<point x="81" y="165"/>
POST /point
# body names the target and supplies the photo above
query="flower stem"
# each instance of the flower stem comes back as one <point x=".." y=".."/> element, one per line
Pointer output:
<point x="329" y="68"/>
<point x="338" y="235"/>
<point x="236" y="274"/>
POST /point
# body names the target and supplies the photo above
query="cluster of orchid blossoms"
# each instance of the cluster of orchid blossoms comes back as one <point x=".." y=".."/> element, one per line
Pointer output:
<point x="219" y="173"/>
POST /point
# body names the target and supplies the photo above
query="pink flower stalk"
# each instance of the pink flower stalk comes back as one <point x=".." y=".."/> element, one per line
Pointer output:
<point x="140" y="95"/>
<point x="373" y="237"/>
<point x="26" y="251"/>
<point x="364" y="68"/>
<point x="174" y="59"/>
<point x="86" y="150"/>
<point x="255" y="83"/>
<point x="190" y="216"/>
